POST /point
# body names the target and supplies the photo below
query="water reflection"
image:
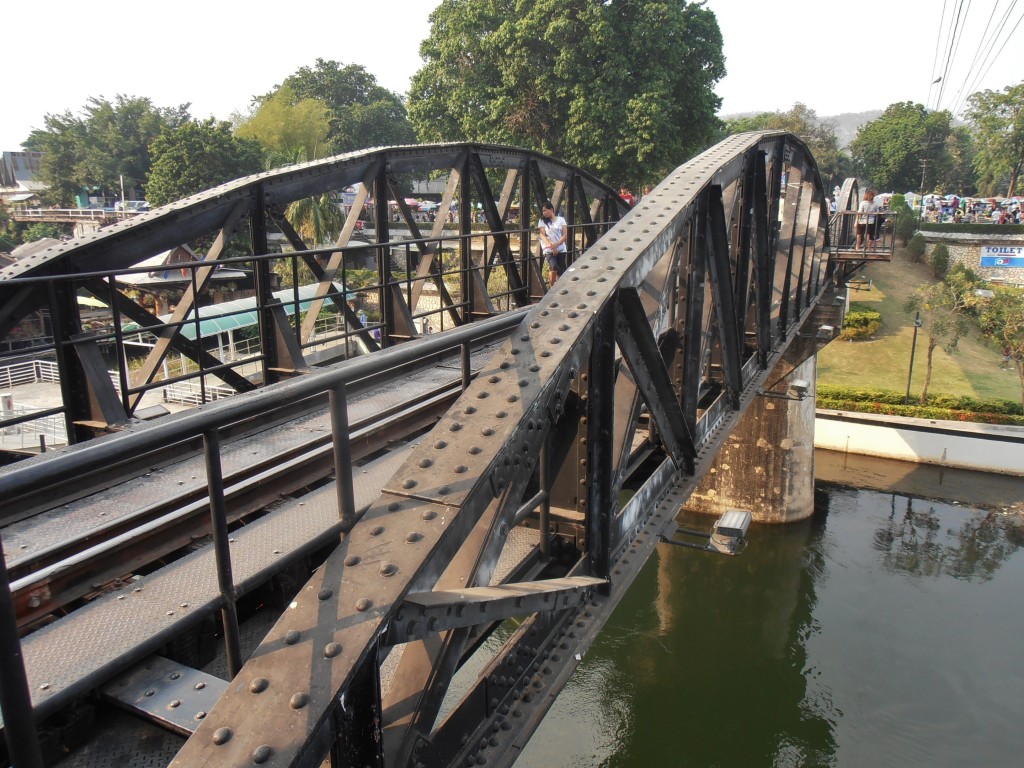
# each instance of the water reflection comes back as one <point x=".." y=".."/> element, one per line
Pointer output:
<point x="880" y="632"/>
<point x="915" y="541"/>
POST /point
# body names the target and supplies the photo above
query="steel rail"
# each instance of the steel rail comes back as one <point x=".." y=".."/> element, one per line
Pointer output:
<point x="50" y="579"/>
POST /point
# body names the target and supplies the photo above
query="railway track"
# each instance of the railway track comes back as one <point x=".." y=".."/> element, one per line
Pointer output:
<point x="89" y="535"/>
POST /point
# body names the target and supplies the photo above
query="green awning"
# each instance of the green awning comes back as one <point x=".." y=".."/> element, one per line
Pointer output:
<point x="240" y="313"/>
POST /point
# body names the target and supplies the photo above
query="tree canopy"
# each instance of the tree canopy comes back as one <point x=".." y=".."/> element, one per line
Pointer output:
<point x="820" y="137"/>
<point x="95" y="149"/>
<point x="998" y="119"/>
<point x="1002" y="320"/>
<point x="196" y="156"/>
<point x="629" y="105"/>
<point x="292" y="129"/>
<point x="360" y="112"/>
<point x="904" y="145"/>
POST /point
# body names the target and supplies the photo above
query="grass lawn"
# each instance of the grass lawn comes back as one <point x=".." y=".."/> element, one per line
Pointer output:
<point x="884" y="361"/>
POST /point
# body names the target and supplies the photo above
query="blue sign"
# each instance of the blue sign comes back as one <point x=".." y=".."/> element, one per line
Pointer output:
<point x="1005" y="256"/>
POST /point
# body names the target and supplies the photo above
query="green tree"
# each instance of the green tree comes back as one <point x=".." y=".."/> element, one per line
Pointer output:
<point x="998" y="120"/>
<point x="107" y="145"/>
<point x="196" y="156"/>
<point x="41" y="231"/>
<point x="902" y="147"/>
<point x="632" y="103"/>
<point x="942" y="320"/>
<point x="820" y="137"/>
<point x="956" y="170"/>
<point x="289" y="127"/>
<point x="1002" y="321"/>
<point x="361" y="112"/>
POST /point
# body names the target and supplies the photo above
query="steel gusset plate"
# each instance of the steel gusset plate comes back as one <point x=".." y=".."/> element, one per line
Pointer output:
<point x="296" y="685"/>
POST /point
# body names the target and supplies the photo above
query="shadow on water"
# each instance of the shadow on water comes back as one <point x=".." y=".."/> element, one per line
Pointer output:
<point x="870" y="634"/>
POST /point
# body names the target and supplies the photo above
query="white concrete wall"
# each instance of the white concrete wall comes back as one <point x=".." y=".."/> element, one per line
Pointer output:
<point x="980" y="447"/>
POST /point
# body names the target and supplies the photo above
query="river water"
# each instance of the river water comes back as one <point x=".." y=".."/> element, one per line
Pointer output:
<point x="888" y="630"/>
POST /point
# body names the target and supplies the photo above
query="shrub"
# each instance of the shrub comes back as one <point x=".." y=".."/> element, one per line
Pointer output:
<point x="940" y="260"/>
<point x="975" y="229"/>
<point x="860" y="323"/>
<point x="939" y="407"/>
<point x="915" y="248"/>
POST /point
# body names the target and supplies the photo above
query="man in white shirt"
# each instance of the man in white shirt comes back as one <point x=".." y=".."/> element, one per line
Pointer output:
<point x="553" y="232"/>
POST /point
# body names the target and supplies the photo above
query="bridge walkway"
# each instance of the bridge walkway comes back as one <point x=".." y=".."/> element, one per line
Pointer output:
<point x="119" y="627"/>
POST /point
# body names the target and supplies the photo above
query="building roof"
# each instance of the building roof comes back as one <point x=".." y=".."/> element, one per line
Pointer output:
<point x="241" y="313"/>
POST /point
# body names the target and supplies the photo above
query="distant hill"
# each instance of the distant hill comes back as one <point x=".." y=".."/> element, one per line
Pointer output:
<point x="846" y="124"/>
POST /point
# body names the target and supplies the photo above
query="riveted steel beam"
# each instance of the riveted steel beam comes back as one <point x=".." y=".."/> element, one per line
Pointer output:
<point x="425" y="613"/>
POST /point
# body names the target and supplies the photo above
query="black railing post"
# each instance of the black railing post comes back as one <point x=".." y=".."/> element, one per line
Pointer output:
<point x="15" y="699"/>
<point x="222" y="550"/>
<point x="342" y="457"/>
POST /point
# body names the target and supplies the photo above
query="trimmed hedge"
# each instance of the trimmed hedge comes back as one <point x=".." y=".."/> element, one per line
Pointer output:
<point x="939" y="407"/>
<point x="860" y="324"/>
<point x="974" y="229"/>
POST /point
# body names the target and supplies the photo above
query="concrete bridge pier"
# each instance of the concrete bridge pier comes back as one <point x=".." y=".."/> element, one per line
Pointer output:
<point x="767" y="464"/>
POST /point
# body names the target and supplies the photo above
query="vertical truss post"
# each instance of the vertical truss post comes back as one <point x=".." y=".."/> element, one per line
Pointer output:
<point x="15" y="698"/>
<point x="729" y="331"/>
<point x="222" y="550"/>
<point x="763" y="260"/>
<point x="63" y="319"/>
<point x="599" y="415"/>
<point x="382" y="225"/>
<point x="264" y="284"/>
<point x="342" y="457"/>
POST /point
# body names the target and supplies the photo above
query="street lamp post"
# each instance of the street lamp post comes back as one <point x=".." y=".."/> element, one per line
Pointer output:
<point x="913" y="348"/>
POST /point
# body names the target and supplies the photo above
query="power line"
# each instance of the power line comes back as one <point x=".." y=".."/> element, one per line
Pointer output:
<point x="954" y="43"/>
<point x="983" y="45"/>
<point x="991" y="56"/>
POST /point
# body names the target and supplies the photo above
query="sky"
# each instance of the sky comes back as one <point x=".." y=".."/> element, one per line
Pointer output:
<point x="832" y="57"/>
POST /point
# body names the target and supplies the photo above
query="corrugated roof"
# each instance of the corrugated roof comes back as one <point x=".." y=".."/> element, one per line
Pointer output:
<point x="241" y="313"/>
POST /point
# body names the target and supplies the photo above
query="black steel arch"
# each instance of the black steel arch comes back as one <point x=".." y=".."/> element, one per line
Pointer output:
<point x="232" y="225"/>
<point x="629" y="373"/>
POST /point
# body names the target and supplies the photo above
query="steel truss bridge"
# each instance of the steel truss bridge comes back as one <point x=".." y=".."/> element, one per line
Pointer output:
<point x="521" y="463"/>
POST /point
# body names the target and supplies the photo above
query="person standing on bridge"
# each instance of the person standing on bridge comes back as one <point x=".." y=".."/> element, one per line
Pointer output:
<point x="553" y="232"/>
<point x="866" y="220"/>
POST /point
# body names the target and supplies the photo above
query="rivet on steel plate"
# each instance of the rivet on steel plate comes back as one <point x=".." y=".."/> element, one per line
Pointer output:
<point x="352" y="560"/>
<point x="331" y="650"/>
<point x="500" y="415"/>
<point x="454" y="426"/>
<point x="222" y="736"/>
<point x="364" y="604"/>
<point x="377" y="530"/>
<point x="200" y="715"/>
<point x="481" y="395"/>
<point x="475" y="450"/>
<point x="292" y="636"/>
<point x="428" y="515"/>
<point x="440" y="444"/>
<point x="512" y="398"/>
<point x="444" y="490"/>
<point x="413" y="536"/>
<point x="174" y="704"/>
<point x="298" y="701"/>
<point x="469" y="410"/>
<point x="554" y="340"/>
<point x="149" y="692"/>
<point x="424" y="463"/>
<point x="199" y="686"/>
<point x="393" y="506"/>
<point x="388" y="569"/>
<point x="486" y="431"/>
<point x="460" y="469"/>
<point x="261" y="754"/>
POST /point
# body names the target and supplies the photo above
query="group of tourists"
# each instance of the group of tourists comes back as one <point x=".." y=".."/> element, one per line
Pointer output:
<point x="955" y="209"/>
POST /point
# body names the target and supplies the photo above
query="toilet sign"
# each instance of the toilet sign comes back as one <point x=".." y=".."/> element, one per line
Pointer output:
<point x="1002" y="256"/>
